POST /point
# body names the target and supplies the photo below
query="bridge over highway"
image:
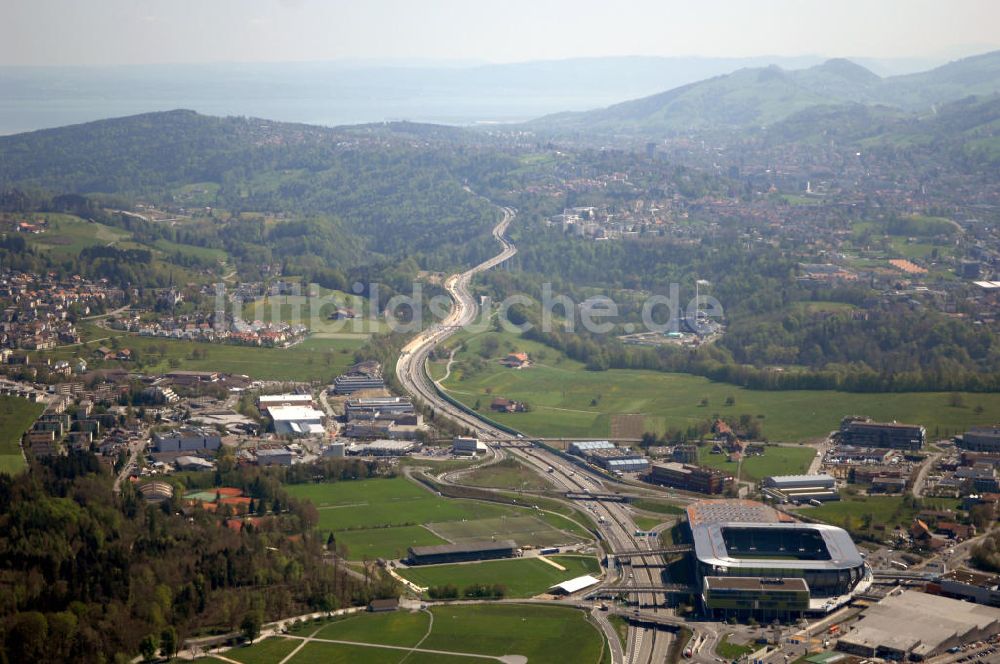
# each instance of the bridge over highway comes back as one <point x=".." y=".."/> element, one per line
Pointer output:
<point x="638" y="553"/>
<point x="666" y="588"/>
<point x="612" y="497"/>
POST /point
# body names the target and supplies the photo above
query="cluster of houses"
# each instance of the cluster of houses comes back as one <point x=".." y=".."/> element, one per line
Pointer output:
<point x="36" y="308"/>
<point x="203" y="327"/>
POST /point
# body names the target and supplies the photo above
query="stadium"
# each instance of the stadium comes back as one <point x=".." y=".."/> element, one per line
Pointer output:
<point x="751" y="560"/>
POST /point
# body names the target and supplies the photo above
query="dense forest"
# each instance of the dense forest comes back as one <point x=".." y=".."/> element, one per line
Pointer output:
<point x="88" y="576"/>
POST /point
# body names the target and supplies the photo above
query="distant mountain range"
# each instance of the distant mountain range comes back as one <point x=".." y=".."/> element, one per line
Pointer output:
<point x="338" y="93"/>
<point x="763" y="96"/>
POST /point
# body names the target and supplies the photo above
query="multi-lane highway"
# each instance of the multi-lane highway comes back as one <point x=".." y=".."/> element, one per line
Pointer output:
<point x="644" y="644"/>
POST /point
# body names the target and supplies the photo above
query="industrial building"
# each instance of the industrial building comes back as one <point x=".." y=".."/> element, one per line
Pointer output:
<point x="689" y="478"/>
<point x="466" y="445"/>
<point x="584" y="447"/>
<point x="362" y="376"/>
<point x="980" y="439"/>
<point x="456" y="553"/>
<point x="800" y="488"/>
<point x="383" y="448"/>
<point x="186" y="439"/>
<point x="374" y="406"/>
<point x="334" y="451"/>
<point x="863" y="432"/>
<point x="279" y="456"/>
<point x="609" y="456"/>
<point x="296" y="420"/>
<point x="781" y="557"/>
<point x="266" y="401"/>
<point x="918" y="625"/>
<point x="968" y="585"/>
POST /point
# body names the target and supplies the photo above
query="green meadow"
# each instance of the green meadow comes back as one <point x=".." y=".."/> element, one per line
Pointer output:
<point x="566" y="400"/>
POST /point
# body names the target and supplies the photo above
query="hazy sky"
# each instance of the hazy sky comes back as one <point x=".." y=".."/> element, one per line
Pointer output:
<point x="41" y="32"/>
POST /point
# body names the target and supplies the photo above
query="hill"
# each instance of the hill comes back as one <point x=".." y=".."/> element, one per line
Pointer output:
<point x="966" y="131"/>
<point x="755" y="97"/>
<point x="388" y="183"/>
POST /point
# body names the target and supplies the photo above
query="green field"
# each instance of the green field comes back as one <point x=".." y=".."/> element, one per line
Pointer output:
<point x="783" y="460"/>
<point x="68" y="234"/>
<point x="388" y="502"/>
<point x="300" y="308"/>
<point x="399" y="628"/>
<point x="380" y="518"/>
<point x="393" y="542"/>
<point x="269" y="650"/>
<point x="523" y="577"/>
<point x="658" y="507"/>
<point x="852" y="512"/>
<point x="539" y="633"/>
<point x="507" y="474"/>
<point x="566" y="400"/>
<point x="313" y="359"/>
<point x="524" y="529"/>
<point x="16" y="416"/>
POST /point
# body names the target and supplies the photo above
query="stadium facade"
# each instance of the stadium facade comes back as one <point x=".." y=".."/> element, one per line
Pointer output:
<point x="752" y="561"/>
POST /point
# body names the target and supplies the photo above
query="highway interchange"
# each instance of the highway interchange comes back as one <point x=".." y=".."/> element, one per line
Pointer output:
<point x="617" y="529"/>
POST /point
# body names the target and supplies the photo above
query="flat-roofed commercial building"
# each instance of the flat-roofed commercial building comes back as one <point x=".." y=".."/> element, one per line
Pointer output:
<point x="762" y="598"/>
<point x="801" y="488"/>
<point x="373" y="406"/>
<point x="297" y="420"/>
<point x="966" y="584"/>
<point x="689" y="478"/>
<point x="918" y="625"/>
<point x="384" y="448"/>
<point x="266" y="401"/>
<point x="456" y="553"/>
<point x="980" y="439"/>
<point x="186" y="439"/>
<point x="584" y="447"/>
<point x="863" y="432"/>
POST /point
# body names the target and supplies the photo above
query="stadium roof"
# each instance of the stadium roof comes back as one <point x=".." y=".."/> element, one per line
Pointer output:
<point x="710" y="518"/>
<point x="710" y="547"/>
<point x="725" y="511"/>
<point x="573" y="585"/>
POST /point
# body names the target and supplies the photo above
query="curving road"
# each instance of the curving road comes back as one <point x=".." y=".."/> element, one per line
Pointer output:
<point x="614" y="522"/>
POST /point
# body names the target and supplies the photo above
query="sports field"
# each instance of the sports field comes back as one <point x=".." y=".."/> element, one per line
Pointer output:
<point x="566" y="400"/>
<point x="523" y="577"/>
<point x="380" y="518"/>
<point x="440" y="634"/>
<point x="526" y="528"/>
<point x="16" y="417"/>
